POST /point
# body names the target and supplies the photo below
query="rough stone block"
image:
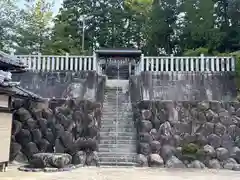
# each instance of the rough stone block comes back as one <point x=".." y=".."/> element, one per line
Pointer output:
<point x="155" y="160"/>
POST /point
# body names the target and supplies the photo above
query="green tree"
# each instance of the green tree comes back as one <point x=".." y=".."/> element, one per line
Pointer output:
<point x="228" y="12"/>
<point x="161" y="28"/>
<point x="109" y="24"/>
<point x="200" y="28"/>
<point x="8" y="18"/>
<point x="34" y="28"/>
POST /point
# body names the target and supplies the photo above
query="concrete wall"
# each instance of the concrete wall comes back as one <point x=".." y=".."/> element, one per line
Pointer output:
<point x="85" y="85"/>
<point x="188" y="134"/>
<point x="184" y="86"/>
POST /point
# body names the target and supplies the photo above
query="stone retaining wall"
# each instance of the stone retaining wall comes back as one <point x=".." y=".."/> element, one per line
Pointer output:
<point x="84" y="85"/>
<point x="188" y="134"/>
<point x="184" y="86"/>
<point x="56" y="126"/>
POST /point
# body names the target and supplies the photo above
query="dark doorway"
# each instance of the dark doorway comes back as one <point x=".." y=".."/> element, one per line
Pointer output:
<point x="117" y="71"/>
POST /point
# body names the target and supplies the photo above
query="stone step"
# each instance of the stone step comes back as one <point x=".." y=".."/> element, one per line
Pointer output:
<point x="114" y="129"/>
<point x="113" y="93"/>
<point x="116" y="90"/>
<point x="119" y="122"/>
<point x="122" y="138"/>
<point x="132" y="154"/>
<point x="114" y="105"/>
<point x="119" y="111"/>
<point x="118" y="125"/>
<point x="119" y="97"/>
<point x="117" y="151"/>
<point x="108" y="121"/>
<point x="124" y="111"/>
<point x="117" y="133"/>
<point x="120" y="114"/>
<point x="117" y="105"/>
<point x="115" y="96"/>
<point x="116" y="99"/>
<point x="117" y="146"/>
<point x="116" y="117"/>
<point x="119" y="128"/>
<point x="119" y="164"/>
<point x="119" y="138"/>
<point x="117" y="159"/>
<point x="116" y="141"/>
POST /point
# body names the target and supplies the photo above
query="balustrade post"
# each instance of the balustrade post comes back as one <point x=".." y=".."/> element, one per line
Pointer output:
<point x="67" y="61"/>
<point x="38" y="63"/>
<point x="202" y="63"/>
<point x="95" y="62"/>
<point x="172" y="63"/>
<point x="233" y="63"/>
<point x="217" y="64"/>
<point x="142" y="63"/>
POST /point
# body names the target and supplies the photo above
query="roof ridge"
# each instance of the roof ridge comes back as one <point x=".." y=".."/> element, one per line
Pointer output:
<point x="10" y="59"/>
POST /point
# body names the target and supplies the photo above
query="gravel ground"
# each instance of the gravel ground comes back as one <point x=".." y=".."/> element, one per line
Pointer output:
<point x="123" y="174"/>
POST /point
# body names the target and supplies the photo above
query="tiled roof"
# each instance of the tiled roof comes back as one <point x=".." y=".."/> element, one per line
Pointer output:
<point x="6" y="85"/>
<point x="11" y="60"/>
<point x="24" y="93"/>
<point x="5" y="77"/>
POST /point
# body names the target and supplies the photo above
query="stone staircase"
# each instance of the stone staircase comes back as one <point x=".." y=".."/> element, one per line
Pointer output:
<point x="117" y="135"/>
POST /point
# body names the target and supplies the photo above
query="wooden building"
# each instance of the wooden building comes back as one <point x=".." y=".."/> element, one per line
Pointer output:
<point x="8" y="91"/>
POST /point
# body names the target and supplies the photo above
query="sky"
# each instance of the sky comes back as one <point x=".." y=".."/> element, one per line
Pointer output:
<point x="57" y="5"/>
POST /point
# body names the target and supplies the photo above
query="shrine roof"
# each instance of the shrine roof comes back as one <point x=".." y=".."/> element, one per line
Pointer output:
<point x="118" y="52"/>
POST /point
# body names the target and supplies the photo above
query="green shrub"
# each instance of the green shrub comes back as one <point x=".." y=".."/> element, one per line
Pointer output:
<point x="196" y="52"/>
<point x="190" y="148"/>
<point x="191" y="152"/>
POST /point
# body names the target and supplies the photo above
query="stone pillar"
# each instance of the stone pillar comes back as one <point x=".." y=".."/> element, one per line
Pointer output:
<point x="130" y="68"/>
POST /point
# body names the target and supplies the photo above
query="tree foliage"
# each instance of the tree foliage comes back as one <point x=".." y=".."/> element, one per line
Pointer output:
<point x="8" y="20"/>
<point x="33" y="31"/>
<point x="157" y="27"/>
